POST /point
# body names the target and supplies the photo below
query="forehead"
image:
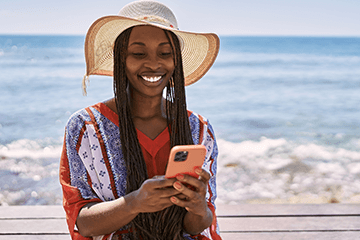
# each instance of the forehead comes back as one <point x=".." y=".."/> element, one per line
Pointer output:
<point x="147" y="34"/>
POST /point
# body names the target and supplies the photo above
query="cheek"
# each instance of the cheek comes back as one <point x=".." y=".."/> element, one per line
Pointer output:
<point x="129" y="66"/>
<point x="170" y="66"/>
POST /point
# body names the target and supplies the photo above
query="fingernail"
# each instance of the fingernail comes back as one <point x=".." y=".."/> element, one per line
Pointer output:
<point x="173" y="199"/>
<point x="177" y="185"/>
<point x="180" y="177"/>
<point x="198" y="170"/>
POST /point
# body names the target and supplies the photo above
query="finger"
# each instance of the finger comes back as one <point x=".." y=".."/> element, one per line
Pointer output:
<point x="196" y="183"/>
<point x="159" y="183"/>
<point x="203" y="174"/>
<point x="160" y="204"/>
<point x="158" y="177"/>
<point x="181" y="197"/>
<point x="166" y="192"/>
<point x="200" y="208"/>
<point x="190" y="194"/>
<point x="179" y="202"/>
<point x="188" y="205"/>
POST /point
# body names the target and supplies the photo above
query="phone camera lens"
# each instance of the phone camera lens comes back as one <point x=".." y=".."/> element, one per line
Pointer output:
<point x="181" y="156"/>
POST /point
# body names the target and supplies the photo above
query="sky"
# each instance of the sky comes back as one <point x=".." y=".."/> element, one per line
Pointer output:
<point x="224" y="17"/>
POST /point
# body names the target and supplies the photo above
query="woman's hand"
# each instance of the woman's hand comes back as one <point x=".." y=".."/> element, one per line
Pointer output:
<point x="195" y="194"/>
<point x="199" y="215"/>
<point x="101" y="218"/>
<point x="153" y="195"/>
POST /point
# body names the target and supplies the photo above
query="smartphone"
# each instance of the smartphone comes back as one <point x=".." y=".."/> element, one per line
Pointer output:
<point x="184" y="159"/>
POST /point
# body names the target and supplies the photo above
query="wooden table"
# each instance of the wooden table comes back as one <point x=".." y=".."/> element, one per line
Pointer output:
<point x="245" y="221"/>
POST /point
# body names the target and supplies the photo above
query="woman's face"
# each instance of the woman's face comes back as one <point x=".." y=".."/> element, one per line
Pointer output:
<point x="149" y="61"/>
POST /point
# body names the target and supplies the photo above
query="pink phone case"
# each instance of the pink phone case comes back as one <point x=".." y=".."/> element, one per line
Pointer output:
<point x="195" y="158"/>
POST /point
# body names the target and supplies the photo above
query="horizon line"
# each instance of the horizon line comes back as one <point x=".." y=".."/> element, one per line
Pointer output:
<point x="221" y="35"/>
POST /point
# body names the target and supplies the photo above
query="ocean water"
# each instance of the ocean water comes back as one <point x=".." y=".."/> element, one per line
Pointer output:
<point x="285" y="111"/>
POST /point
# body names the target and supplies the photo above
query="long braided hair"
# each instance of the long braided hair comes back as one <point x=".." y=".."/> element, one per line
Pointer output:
<point x="168" y="223"/>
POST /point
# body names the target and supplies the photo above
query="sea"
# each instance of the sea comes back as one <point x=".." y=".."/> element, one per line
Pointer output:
<point x="285" y="110"/>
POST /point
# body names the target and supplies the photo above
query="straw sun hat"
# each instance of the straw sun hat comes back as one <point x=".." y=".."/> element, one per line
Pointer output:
<point x="198" y="50"/>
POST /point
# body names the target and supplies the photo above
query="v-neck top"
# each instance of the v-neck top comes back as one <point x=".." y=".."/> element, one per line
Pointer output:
<point x="155" y="151"/>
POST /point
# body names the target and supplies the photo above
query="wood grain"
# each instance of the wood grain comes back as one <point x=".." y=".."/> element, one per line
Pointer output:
<point x="245" y="221"/>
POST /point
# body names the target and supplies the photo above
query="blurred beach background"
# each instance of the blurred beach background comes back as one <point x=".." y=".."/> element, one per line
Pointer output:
<point x="284" y="104"/>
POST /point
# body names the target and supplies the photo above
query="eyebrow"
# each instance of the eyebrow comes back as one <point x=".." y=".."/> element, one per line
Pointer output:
<point x="143" y="44"/>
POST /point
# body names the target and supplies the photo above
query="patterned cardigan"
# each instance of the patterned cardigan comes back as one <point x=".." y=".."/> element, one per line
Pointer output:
<point x="92" y="167"/>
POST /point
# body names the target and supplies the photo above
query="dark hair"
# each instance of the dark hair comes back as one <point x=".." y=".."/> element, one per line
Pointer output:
<point x="168" y="223"/>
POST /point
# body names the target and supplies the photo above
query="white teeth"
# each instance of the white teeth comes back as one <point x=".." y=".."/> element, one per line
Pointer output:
<point x="152" y="79"/>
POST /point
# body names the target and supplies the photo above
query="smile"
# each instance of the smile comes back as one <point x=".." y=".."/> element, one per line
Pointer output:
<point x="151" y="79"/>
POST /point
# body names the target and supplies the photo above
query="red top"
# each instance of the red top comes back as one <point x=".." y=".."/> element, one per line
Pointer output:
<point x="156" y="152"/>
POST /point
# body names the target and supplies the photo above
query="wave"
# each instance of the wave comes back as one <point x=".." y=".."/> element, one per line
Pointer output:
<point x="30" y="149"/>
<point x="29" y="173"/>
<point x="267" y="170"/>
<point x="281" y="171"/>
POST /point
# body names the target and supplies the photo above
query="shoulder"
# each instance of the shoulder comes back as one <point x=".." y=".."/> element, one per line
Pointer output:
<point x="200" y="127"/>
<point x="79" y="118"/>
<point x="197" y="118"/>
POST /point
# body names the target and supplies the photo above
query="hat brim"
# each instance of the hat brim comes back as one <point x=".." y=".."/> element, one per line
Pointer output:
<point x="199" y="50"/>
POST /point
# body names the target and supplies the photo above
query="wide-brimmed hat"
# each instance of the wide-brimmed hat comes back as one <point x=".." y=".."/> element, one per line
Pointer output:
<point x="198" y="50"/>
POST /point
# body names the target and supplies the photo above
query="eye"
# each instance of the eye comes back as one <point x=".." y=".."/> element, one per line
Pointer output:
<point x="166" y="54"/>
<point x="138" y="54"/>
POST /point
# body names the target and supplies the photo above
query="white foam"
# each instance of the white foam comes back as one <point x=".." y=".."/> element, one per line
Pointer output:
<point x="25" y="148"/>
<point x="30" y="159"/>
<point x="31" y="169"/>
<point x="268" y="170"/>
<point x="281" y="170"/>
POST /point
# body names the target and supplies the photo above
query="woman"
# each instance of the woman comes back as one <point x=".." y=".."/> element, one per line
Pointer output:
<point x="116" y="152"/>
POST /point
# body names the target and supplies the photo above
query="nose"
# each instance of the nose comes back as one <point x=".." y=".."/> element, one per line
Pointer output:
<point x="152" y="62"/>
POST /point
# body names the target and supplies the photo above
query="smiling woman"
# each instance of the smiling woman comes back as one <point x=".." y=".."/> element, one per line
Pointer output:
<point x="116" y="152"/>
<point x="149" y="61"/>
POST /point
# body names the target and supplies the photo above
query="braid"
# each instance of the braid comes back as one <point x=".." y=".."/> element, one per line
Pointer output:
<point x="136" y="172"/>
<point x="168" y="222"/>
<point x="176" y="101"/>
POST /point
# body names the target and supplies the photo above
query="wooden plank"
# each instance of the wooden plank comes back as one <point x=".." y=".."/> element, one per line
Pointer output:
<point x="249" y="224"/>
<point x="43" y="211"/>
<point x="287" y="209"/>
<point x="292" y="236"/>
<point x="222" y="210"/>
<point x="35" y="237"/>
<point x="227" y="236"/>
<point x="33" y="226"/>
<point x="250" y="221"/>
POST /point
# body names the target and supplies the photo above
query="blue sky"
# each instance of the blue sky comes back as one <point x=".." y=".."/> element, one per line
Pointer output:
<point x="224" y="17"/>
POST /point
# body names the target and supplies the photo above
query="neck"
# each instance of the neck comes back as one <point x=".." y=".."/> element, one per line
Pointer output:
<point x="146" y="107"/>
